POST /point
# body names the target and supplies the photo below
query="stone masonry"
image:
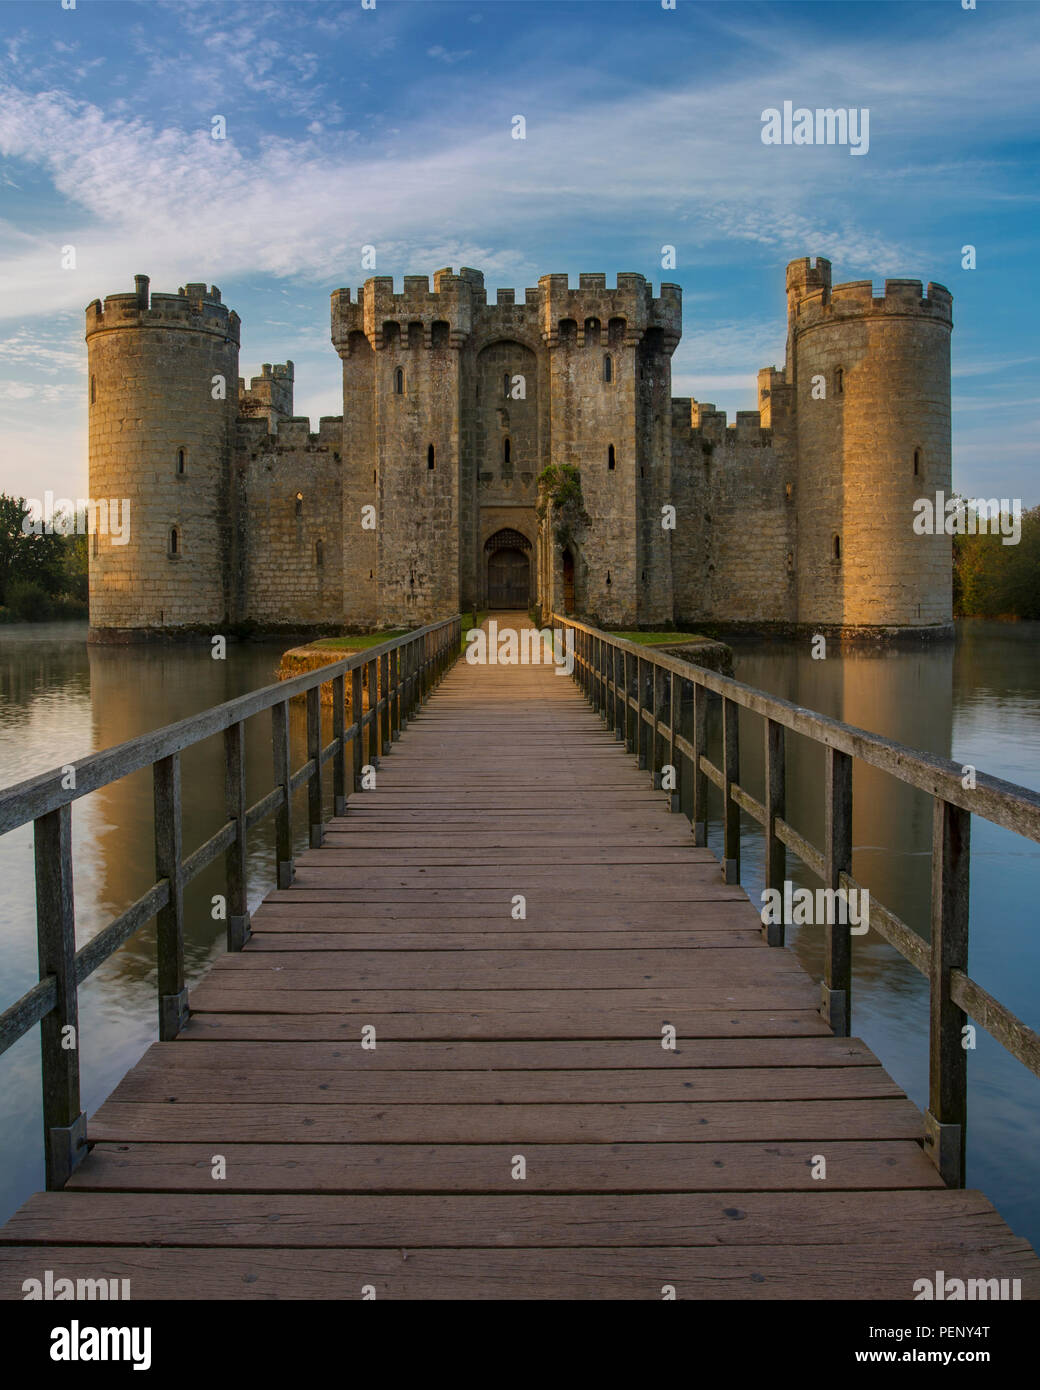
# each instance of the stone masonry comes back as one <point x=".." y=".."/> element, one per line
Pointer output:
<point x="423" y="498"/>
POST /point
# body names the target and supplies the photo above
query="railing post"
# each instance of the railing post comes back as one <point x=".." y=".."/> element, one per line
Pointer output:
<point x="699" y="804"/>
<point x="283" y="778"/>
<point x="776" y="807"/>
<point x="385" y="740"/>
<point x="674" y="698"/>
<point x="404" y="708"/>
<point x="373" y="713"/>
<point x="169" y="922"/>
<point x="394" y="694"/>
<point x="945" y="1121"/>
<point x="655" y="760"/>
<point x="339" y="761"/>
<point x="620" y="690"/>
<point x="640" y="721"/>
<point x="64" y="1123"/>
<point x="357" y="700"/>
<point x="836" y="990"/>
<point x="730" y="778"/>
<point x="235" y="854"/>
<point x="315" y="810"/>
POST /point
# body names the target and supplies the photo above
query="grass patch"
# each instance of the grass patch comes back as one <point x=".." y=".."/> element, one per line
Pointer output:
<point x="357" y="643"/>
<point x="470" y="621"/>
<point x="660" y="639"/>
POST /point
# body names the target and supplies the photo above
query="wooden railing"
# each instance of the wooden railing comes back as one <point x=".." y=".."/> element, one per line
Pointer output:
<point x="658" y="705"/>
<point x="396" y="676"/>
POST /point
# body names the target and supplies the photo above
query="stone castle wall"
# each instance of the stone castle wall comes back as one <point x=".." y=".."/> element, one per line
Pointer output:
<point x="801" y="512"/>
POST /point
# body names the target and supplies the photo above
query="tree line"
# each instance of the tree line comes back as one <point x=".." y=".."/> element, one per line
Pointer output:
<point x="41" y="575"/>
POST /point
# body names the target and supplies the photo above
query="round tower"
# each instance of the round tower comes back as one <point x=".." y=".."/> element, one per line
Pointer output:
<point x="872" y="383"/>
<point x="162" y="392"/>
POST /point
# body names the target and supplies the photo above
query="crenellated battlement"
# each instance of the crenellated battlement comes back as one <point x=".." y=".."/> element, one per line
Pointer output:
<point x="698" y="421"/>
<point x="192" y="307"/>
<point x="823" y="304"/>
<point x="290" y="434"/>
<point x="445" y="316"/>
<point x="270" y="393"/>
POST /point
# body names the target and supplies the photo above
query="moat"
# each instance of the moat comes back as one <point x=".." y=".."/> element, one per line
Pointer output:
<point x="976" y="700"/>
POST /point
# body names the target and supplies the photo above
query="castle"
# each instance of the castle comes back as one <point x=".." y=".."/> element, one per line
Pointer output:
<point x="423" y="497"/>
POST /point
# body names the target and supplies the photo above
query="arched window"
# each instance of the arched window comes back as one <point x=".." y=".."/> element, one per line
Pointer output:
<point x="506" y="452"/>
<point x="837" y="547"/>
<point x="917" y="463"/>
<point x="430" y="458"/>
<point x="93" y="389"/>
<point x="440" y="333"/>
<point x="175" y="541"/>
<point x="299" y="504"/>
<point x="611" y="459"/>
<point x="180" y="460"/>
<point x="399" y="382"/>
<point x="608" y="367"/>
<point x="319" y="553"/>
<point x="839" y="380"/>
<point x="391" y="334"/>
<point x="592" y="332"/>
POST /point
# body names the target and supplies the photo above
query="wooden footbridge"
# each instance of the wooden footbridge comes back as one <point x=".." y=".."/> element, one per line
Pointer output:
<point x="508" y="1029"/>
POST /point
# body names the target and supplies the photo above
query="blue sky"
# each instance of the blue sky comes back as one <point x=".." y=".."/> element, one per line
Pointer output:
<point x="392" y="127"/>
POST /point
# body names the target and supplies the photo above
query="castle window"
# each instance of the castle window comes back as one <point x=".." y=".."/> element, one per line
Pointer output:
<point x="568" y="332"/>
<point x="839" y="380"/>
<point x="399" y="382"/>
<point x="93" y="389"/>
<point x="319" y="553"/>
<point x="608" y="367"/>
<point x="592" y="332"/>
<point x="415" y="335"/>
<point x="391" y="334"/>
<point x="174" y="542"/>
<point x="917" y="462"/>
<point x="299" y="504"/>
<point x="507" y="384"/>
<point x="430" y="457"/>
<point x="837" y="547"/>
<point x="505" y="452"/>
<point x="611" y="457"/>
<point x="439" y="333"/>
<point x="180" y="460"/>
<point x="616" y="330"/>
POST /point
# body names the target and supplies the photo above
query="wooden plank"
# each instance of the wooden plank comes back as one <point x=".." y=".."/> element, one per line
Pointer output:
<point x="616" y="1167"/>
<point x="147" y="1083"/>
<point x="852" y="1220"/>
<point x="757" y="1273"/>
<point x="732" y="938"/>
<point x="606" y="1023"/>
<point x="796" y="994"/>
<point x="695" y="1121"/>
<point x="538" y="1055"/>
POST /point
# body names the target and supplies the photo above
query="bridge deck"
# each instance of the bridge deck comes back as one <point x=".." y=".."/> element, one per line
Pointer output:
<point x="499" y="1040"/>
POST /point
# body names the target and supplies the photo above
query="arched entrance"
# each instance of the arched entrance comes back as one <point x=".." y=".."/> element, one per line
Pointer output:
<point x="508" y="561"/>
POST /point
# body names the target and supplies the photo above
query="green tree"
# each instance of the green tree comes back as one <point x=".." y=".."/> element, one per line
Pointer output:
<point x="37" y="560"/>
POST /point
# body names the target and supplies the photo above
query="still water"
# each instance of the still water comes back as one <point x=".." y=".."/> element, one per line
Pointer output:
<point x="976" y="701"/>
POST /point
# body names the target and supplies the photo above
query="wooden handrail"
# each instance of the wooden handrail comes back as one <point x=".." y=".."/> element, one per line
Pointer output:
<point x="623" y="681"/>
<point x="401" y="673"/>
